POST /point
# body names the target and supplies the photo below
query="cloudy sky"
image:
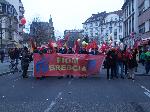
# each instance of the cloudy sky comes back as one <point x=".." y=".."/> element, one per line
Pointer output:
<point x="67" y="14"/>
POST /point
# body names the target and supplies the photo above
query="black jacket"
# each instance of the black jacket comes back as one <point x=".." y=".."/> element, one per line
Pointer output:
<point x="25" y="60"/>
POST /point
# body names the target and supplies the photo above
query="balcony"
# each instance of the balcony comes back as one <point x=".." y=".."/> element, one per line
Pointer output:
<point x="20" y="3"/>
<point x="21" y="9"/>
<point x="20" y="14"/>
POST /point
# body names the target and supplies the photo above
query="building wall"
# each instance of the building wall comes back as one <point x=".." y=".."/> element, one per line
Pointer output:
<point x="42" y="31"/>
<point x="130" y="21"/>
<point x="144" y="18"/>
<point x="101" y="30"/>
<point x="8" y="24"/>
<point x="20" y="11"/>
<point x="73" y="36"/>
<point x="113" y="27"/>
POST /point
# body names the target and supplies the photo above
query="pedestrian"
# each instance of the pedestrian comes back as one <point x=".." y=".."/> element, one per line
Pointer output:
<point x="125" y="60"/>
<point x="70" y="51"/>
<point x="135" y="52"/>
<point x="147" y="61"/>
<point x="142" y="58"/>
<point x="94" y="51"/>
<point x="108" y="64"/>
<point x="16" y="54"/>
<point x="2" y="55"/>
<point x="119" y="54"/>
<point x="25" y="62"/>
<point x="131" y="66"/>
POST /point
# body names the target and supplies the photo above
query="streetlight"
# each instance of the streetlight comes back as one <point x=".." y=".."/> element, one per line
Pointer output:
<point x="1" y="33"/>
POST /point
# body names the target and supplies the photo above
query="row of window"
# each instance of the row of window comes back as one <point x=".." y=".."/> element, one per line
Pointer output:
<point x="1" y="9"/>
<point x="9" y="9"/>
<point x="144" y="6"/>
<point x="145" y="27"/>
<point x="97" y="24"/>
<point x="129" y="26"/>
<point x="110" y="29"/>
<point x="129" y="9"/>
<point x="21" y="9"/>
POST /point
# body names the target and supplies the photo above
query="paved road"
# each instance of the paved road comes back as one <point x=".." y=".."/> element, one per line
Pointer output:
<point x="94" y="94"/>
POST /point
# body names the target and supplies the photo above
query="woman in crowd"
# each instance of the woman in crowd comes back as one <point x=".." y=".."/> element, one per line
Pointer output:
<point x="131" y="65"/>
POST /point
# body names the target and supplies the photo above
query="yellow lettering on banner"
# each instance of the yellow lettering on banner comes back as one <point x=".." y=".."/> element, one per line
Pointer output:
<point x="62" y="60"/>
<point x="58" y="67"/>
<point x="58" y="60"/>
<point x="75" y="68"/>
<point x="75" y="60"/>
<point x="83" y="68"/>
<point x="63" y="67"/>
<point x="69" y="67"/>
<point x="68" y="61"/>
<point x="51" y="67"/>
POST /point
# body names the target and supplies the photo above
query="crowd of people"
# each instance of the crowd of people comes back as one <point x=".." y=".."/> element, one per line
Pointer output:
<point x="16" y="54"/>
<point x="65" y="50"/>
<point x="118" y="62"/>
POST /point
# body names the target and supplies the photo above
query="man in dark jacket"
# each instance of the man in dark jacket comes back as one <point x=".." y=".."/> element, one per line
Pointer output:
<point x="111" y="64"/>
<point x="2" y="55"/>
<point x="25" y="62"/>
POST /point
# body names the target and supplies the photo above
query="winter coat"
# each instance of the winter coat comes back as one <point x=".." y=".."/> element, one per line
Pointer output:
<point x="142" y="56"/>
<point x="110" y="60"/>
<point x="134" y="59"/>
<point x="25" y="60"/>
<point x="131" y="62"/>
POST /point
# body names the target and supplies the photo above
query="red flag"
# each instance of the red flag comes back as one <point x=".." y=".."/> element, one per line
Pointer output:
<point x="136" y="44"/>
<point x="67" y="37"/>
<point x="50" y="45"/>
<point x="59" y="43"/>
<point x="94" y="44"/>
<point x="32" y="44"/>
<point x="76" y="46"/>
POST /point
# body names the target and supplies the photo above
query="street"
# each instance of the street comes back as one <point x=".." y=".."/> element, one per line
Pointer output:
<point x="92" y="94"/>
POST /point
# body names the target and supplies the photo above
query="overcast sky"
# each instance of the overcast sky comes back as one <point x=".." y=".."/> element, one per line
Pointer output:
<point x="67" y="14"/>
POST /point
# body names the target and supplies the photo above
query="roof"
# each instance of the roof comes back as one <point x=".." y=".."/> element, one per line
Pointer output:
<point x="125" y="3"/>
<point x="4" y="2"/>
<point x="119" y="12"/>
<point x="96" y="17"/>
<point x="101" y="16"/>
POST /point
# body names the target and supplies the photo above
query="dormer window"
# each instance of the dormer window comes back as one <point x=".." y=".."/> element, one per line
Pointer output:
<point x="1" y="8"/>
<point x="9" y="9"/>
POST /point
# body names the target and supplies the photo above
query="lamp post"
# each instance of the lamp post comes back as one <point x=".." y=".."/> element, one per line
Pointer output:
<point x="1" y="33"/>
<point x="1" y="36"/>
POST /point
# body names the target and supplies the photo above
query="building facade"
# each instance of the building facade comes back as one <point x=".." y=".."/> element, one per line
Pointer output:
<point x="144" y="19"/>
<point x="130" y="22"/>
<point x="41" y="32"/>
<point x="8" y="24"/>
<point x="18" y="5"/>
<point x="11" y="12"/>
<point x="72" y="36"/>
<point x="104" y="27"/>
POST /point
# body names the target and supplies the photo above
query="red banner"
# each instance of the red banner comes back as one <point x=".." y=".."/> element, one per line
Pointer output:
<point x="67" y="64"/>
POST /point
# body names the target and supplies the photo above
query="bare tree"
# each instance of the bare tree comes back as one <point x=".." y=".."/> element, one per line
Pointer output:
<point x="40" y="31"/>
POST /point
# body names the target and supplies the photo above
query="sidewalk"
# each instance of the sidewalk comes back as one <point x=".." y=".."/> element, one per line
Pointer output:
<point x="141" y="70"/>
<point x="4" y="67"/>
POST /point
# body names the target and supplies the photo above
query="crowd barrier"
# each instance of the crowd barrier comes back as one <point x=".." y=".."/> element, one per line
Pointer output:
<point x="67" y="64"/>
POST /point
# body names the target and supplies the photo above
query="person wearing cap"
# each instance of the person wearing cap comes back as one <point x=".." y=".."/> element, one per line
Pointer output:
<point x="25" y="62"/>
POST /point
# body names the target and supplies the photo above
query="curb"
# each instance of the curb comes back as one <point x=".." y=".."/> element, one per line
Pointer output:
<point x="141" y="75"/>
<point x="8" y="72"/>
<point x="5" y="73"/>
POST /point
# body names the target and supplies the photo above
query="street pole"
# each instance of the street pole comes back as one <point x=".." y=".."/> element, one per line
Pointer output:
<point x="1" y="33"/>
<point x="1" y="36"/>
